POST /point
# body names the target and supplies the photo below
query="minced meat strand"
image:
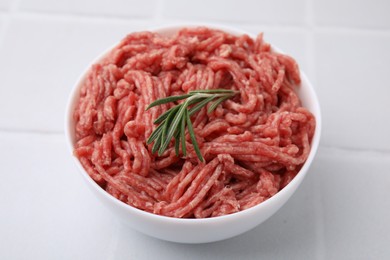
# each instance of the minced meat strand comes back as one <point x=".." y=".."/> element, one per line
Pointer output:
<point x="253" y="144"/>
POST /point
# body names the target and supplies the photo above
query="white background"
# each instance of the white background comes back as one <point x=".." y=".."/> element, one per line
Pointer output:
<point x="342" y="209"/>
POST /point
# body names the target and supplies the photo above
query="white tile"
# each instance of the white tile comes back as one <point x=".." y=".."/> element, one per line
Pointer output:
<point x="267" y="11"/>
<point x="47" y="212"/>
<point x="360" y="13"/>
<point x="121" y="8"/>
<point x="355" y="192"/>
<point x="5" y="4"/>
<point x="40" y="61"/>
<point x="352" y="76"/>
<point x="2" y="21"/>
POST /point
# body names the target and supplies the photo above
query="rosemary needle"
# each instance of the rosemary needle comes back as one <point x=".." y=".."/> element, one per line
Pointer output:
<point x="173" y="122"/>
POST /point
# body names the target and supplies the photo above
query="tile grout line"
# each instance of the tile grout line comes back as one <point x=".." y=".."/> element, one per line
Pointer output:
<point x="79" y="17"/>
<point x="311" y="59"/>
<point x="341" y="29"/>
<point x="30" y="132"/>
<point x="7" y="17"/>
<point x="356" y="150"/>
<point x="158" y="18"/>
<point x="320" y="222"/>
<point x="4" y="27"/>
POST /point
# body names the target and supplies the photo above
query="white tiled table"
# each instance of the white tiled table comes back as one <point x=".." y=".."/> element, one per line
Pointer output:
<point x="342" y="209"/>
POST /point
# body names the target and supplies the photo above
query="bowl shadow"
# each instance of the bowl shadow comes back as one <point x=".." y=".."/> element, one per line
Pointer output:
<point x="292" y="232"/>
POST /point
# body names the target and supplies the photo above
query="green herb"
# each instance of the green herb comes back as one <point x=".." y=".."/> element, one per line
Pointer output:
<point x="173" y="123"/>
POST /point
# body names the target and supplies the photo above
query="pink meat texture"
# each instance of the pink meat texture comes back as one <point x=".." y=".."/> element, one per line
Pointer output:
<point x="253" y="144"/>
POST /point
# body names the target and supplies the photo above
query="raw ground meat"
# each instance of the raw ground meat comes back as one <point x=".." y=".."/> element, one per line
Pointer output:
<point x="253" y="144"/>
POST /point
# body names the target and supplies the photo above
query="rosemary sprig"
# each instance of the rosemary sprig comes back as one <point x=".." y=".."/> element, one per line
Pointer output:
<point x="173" y="123"/>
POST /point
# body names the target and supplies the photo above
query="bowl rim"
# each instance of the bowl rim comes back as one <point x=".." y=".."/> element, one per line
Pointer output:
<point x="316" y="110"/>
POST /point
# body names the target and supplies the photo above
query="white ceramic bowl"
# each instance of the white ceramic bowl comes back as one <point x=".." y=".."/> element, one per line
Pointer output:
<point x="197" y="230"/>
